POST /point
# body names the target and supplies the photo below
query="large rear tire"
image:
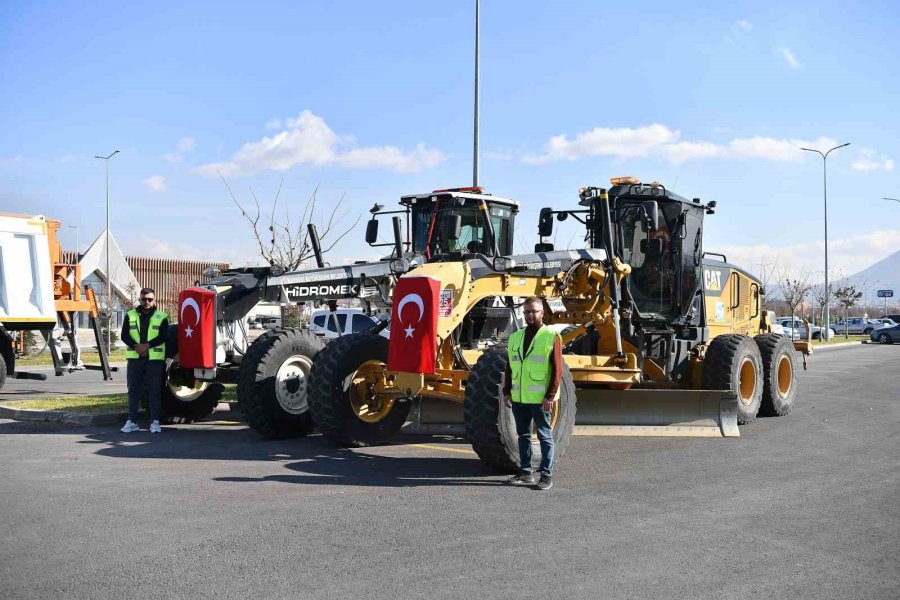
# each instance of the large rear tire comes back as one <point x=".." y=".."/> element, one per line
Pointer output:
<point x="341" y="400"/>
<point x="273" y="383"/>
<point x="779" y="375"/>
<point x="489" y="422"/>
<point x="2" y="371"/>
<point x="184" y="398"/>
<point x="733" y="362"/>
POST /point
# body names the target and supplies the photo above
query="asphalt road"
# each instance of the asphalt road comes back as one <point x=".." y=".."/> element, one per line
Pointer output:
<point x="800" y="507"/>
<point x="77" y="383"/>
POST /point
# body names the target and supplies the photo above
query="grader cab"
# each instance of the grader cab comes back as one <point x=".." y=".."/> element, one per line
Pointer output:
<point x="659" y="339"/>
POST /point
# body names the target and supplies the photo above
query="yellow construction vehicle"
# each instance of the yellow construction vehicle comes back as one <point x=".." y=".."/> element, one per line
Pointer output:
<point x="659" y="338"/>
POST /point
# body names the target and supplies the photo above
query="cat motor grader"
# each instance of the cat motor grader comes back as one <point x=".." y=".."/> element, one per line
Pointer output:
<point x="659" y="338"/>
<point x="271" y="370"/>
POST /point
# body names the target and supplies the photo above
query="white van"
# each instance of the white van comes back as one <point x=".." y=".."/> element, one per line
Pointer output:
<point x="349" y="320"/>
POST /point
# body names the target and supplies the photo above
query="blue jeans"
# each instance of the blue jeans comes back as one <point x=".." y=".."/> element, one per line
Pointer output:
<point x="524" y="414"/>
<point x="142" y="372"/>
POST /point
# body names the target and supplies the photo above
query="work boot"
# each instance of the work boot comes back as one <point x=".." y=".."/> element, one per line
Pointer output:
<point x="522" y="479"/>
<point x="130" y="426"/>
<point x="154" y="427"/>
<point x="545" y="483"/>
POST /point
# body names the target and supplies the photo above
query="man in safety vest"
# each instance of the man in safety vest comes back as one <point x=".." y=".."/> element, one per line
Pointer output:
<point x="531" y="387"/>
<point x="145" y="332"/>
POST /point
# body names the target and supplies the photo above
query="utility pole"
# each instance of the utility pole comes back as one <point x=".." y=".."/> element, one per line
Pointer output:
<point x="108" y="275"/>
<point x="475" y="144"/>
<point x="824" y="156"/>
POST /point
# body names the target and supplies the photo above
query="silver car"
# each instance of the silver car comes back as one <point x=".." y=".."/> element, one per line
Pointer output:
<point x="797" y="330"/>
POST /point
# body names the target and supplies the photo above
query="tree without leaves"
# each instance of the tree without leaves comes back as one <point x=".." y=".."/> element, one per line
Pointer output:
<point x="847" y="296"/>
<point x="794" y="289"/>
<point x="285" y="245"/>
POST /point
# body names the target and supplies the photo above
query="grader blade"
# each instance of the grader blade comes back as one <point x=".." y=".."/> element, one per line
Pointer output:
<point x="684" y="413"/>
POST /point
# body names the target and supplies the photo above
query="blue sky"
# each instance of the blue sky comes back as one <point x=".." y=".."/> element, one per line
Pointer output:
<point x="369" y="101"/>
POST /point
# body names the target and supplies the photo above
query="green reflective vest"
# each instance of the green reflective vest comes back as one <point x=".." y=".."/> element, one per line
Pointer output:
<point x="134" y="328"/>
<point x="531" y="371"/>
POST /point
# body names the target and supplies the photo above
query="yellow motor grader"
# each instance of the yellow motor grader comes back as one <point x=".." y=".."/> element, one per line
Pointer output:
<point x="659" y="337"/>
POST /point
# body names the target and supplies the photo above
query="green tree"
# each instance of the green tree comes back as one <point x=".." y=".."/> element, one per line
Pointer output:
<point x="847" y="297"/>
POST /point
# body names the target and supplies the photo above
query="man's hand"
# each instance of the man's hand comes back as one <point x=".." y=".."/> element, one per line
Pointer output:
<point x="507" y="401"/>
<point x="142" y="349"/>
<point x="547" y="405"/>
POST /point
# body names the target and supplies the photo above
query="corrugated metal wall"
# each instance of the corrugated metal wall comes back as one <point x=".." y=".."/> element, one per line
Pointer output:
<point x="167" y="276"/>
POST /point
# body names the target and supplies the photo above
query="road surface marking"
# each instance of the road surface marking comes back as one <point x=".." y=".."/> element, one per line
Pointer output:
<point x="432" y="447"/>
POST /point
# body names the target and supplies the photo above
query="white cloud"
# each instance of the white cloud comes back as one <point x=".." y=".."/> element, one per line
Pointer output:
<point x="185" y="145"/>
<point x="845" y="256"/>
<point x="745" y="25"/>
<point x="307" y="139"/>
<point x="156" y="183"/>
<point x="660" y="140"/>
<point x="11" y="160"/>
<point x="869" y="160"/>
<point x="790" y="57"/>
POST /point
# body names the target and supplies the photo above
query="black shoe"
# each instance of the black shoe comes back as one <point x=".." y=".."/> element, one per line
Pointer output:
<point x="522" y="479"/>
<point x="545" y="483"/>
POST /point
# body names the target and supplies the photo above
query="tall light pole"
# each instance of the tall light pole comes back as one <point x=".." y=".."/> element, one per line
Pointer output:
<point x="825" y="330"/>
<point x="108" y="276"/>
<point x="894" y="199"/>
<point x="475" y="128"/>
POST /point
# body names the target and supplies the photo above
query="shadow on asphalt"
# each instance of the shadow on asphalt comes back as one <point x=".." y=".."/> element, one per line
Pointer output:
<point x="310" y="460"/>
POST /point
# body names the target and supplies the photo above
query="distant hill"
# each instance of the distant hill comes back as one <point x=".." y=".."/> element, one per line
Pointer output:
<point x="883" y="275"/>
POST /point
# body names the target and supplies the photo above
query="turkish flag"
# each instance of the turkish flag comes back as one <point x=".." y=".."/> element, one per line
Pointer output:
<point x="197" y="328"/>
<point x="414" y="318"/>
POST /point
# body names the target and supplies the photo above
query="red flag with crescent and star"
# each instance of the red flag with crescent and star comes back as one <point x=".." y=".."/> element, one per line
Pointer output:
<point x="414" y="317"/>
<point x="197" y="328"/>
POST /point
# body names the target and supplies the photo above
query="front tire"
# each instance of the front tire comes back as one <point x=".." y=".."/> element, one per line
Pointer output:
<point x="779" y="375"/>
<point x="882" y="339"/>
<point x="341" y="396"/>
<point x="733" y="362"/>
<point x="273" y="383"/>
<point x="184" y="398"/>
<point x="489" y="422"/>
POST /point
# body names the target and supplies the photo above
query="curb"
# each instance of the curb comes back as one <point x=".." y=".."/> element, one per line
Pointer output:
<point x="841" y="345"/>
<point x="61" y="416"/>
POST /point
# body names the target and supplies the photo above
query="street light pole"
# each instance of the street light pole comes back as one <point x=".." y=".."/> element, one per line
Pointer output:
<point x="894" y="199"/>
<point x="826" y="330"/>
<point x="108" y="276"/>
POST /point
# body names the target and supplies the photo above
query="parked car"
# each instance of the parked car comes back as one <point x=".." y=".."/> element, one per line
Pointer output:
<point x="894" y="318"/>
<point x="349" y="320"/>
<point x="254" y="325"/>
<point x="886" y="335"/>
<point x="794" y="327"/>
<point x="885" y="322"/>
<point x="776" y="326"/>
<point x="857" y="326"/>
<point x="270" y="322"/>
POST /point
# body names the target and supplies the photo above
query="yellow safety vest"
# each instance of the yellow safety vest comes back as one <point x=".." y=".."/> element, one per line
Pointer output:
<point x="134" y="327"/>
<point x="531" y="371"/>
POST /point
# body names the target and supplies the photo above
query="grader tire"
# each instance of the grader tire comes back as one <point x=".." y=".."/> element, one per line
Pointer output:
<point x="2" y="371"/>
<point x="186" y="404"/>
<point x="337" y="396"/>
<point x="489" y="422"/>
<point x="733" y="362"/>
<point x="272" y="386"/>
<point x="779" y="375"/>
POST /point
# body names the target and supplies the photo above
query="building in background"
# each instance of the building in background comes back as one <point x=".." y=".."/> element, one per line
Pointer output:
<point x="131" y="273"/>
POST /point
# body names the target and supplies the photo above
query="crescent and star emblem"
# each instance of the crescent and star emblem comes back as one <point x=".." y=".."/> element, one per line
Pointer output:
<point x="189" y="303"/>
<point x="417" y="300"/>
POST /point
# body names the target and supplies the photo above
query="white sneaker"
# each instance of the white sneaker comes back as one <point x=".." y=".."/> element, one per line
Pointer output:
<point x="154" y="427"/>
<point x="130" y="427"/>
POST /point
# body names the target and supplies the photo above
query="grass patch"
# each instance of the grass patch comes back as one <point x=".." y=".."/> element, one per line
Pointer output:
<point x="112" y="403"/>
<point x="91" y="358"/>
<point x="840" y="339"/>
<point x="108" y="403"/>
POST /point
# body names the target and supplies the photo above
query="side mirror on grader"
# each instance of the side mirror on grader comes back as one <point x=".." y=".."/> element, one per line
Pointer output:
<point x="545" y="222"/>
<point x="452" y="227"/>
<point x="372" y="231"/>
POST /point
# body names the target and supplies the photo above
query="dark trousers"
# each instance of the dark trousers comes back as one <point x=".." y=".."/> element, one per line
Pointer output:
<point x="144" y="373"/>
<point x="524" y="415"/>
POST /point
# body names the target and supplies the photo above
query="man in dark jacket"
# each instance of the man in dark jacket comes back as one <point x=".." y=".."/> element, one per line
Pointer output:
<point x="144" y="333"/>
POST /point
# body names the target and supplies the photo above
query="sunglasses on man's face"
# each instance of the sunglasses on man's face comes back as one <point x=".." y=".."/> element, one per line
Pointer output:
<point x="534" y="312"/>
<point x="147" y="299"/>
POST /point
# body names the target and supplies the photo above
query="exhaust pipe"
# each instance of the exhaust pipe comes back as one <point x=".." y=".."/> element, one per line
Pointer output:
<point x="314" y="241"/>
